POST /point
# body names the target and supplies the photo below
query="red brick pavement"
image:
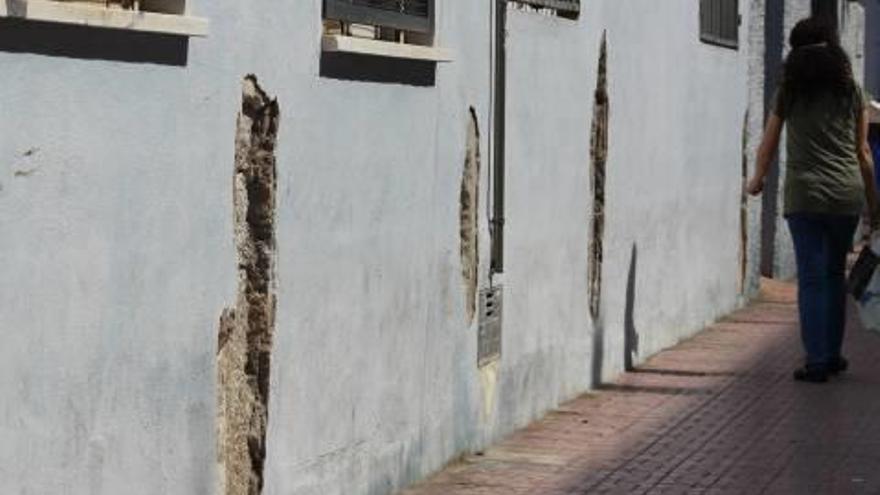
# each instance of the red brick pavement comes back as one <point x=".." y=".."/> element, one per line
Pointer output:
<point x="717" y="414"/>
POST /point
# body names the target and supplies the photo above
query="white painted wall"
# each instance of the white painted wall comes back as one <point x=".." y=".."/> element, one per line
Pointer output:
<point x="675" y="180"/>
<point x="853" y="37"/>
<point x="118" y="253"/>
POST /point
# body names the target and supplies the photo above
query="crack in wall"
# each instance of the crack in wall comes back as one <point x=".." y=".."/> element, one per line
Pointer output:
<point x="246" y="330"/>
<point x="469" y="215"/>
<point x="599" y="157"/>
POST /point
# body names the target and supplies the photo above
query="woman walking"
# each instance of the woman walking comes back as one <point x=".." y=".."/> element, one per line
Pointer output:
<point x="829" y="176"/>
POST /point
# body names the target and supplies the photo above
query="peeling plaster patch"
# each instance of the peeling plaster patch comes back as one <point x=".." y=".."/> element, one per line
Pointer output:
<point x="25" y="172"/>
<point x="599" y="157"/>
<point x="469" y="215"/>
<point x="246" y="330"/>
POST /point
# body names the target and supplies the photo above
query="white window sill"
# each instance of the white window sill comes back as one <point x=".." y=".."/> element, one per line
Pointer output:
<point x="363" y="46"/>
<point x="96" y="15"/>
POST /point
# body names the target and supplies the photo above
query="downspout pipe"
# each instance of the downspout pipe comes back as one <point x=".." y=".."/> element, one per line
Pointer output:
<point x="499" y="127"/>
<point x="774" y="45"/>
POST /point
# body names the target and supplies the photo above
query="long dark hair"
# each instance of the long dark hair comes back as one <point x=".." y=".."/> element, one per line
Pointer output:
<point x="817" y="64"/>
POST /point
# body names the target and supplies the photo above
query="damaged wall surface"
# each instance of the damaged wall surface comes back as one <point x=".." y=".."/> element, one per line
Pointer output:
<point x="119" y="232"/>
<point x="469" y="204"/>
<point x="246" y="331"/>
<point x="598" y="160"/>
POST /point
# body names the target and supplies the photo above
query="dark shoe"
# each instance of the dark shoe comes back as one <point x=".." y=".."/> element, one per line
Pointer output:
<point x="811" y="374"/>
<point x="839" y="365"/>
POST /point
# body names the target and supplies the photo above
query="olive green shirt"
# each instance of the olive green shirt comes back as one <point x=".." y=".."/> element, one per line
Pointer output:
<point x="822" y="170"/>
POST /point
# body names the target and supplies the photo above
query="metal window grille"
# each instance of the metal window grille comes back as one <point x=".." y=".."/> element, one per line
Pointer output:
<point x="407" y="15"/>
<point x="562" y="6"/>
<point x="719" y="22"/>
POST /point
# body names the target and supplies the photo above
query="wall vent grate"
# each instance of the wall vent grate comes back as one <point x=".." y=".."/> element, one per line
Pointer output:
<point x="489" y="339"/>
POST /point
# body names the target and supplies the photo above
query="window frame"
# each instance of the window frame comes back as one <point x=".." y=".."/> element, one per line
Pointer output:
<point x="715" y="23"/>
<point x="97" y="14"/>
<point x="570" y="9"/>
<point x="348" y="11"/>
<point x="372" y="31"/>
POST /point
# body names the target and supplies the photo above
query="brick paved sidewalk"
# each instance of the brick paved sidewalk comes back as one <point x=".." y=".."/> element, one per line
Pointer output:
<point x="718" y="414"/>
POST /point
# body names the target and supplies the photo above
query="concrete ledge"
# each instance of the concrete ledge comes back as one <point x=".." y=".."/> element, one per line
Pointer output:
<point x="363" y="46"/>
<point x="96" y="15"/>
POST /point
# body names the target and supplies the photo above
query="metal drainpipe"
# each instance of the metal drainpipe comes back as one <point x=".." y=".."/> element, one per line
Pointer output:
<point x="774" y="40"/>
<point x="829" y="9"/>
<point x="497" y="221"/>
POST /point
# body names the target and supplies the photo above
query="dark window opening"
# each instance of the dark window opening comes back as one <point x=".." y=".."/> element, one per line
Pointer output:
<point x="719" y="22"/>
<point x="416" y="16"/>
<point x="569" y="9"/>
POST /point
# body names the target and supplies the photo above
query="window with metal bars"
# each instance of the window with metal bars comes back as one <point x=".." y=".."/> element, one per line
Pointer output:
<point x="563" y="8"/>
<point x="719" y="22"/>
<point x="407" y="15"/>
<point x="149" y="16"/>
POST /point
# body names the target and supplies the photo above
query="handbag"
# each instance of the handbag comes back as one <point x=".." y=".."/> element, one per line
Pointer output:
<point x="863" y="283"/>
<point x="861" y="272"/>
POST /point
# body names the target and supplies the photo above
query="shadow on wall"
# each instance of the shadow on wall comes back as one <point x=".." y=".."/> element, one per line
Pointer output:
<point x="598" y="352"/>
<point x="630" y="334"/>
<point x="61" y="40"/>
<point x="355" y="67"/>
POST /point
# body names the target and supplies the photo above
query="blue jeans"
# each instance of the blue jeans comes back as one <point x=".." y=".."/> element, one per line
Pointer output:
<point x="821" y="243"/>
